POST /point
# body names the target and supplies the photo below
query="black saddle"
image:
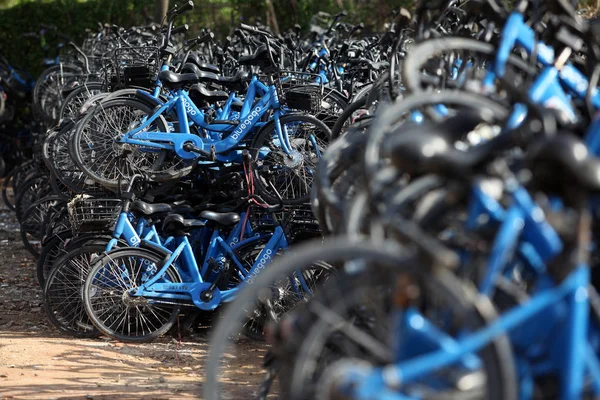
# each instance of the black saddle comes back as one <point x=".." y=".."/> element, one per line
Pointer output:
<point x="429" y="148"/>
<point x="195" y="59"/>
<point x="176" y="225"/>
<point x="199" y="93"/>
<point x="190" y="68"/>
<point x="563" y="164"/>
<point x="224" y="219"/>
<point x="150" y="209"/>
<point x="175" y="81"/>
<point x="237" y="82"/>
<point x="260" y="58"/>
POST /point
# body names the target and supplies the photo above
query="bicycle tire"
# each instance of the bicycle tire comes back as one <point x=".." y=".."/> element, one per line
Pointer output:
<point x="336" y="131"/>
<point x="331" y="250"/>
<point x="93" y="289"/>
<point x="421" y="52"/>
<point x="130" y="160"/>
<point x="266" y="138"/>
<point x="63" y="303"/>
<point x="6" y="184"/>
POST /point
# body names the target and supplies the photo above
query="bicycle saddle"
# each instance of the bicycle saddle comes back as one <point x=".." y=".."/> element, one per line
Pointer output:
<point x="421" y="151"/>
<point x="190" y="68"/>
<point x="201" y="93"/>
<point x="260" y="58"/>
<point x="224" y="219"/>
<point x="176" y="225"/>
<point x="237" y="82"/>
<point x="195" y="59"/>
<point x="173" y="80"/>
<point x="375" y="66"/>
<point x="563" y="162"/>
<point x="149" y="209"/>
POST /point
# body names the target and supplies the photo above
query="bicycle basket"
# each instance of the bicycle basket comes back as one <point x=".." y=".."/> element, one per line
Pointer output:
<point x="87" y="214"/>
<point x="300" y="91"/>
<point x="298" y="221"/>
<point x="134" y="67"/>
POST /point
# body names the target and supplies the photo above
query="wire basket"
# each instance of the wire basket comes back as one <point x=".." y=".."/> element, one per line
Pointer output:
<point x="298" y="221"/>
<point x="299" y="90"/>
<point x="134" y="67"/>
<point x="87" y="214"/>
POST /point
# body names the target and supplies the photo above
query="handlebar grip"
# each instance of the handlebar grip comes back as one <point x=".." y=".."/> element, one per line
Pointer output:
<point x="200" y="39"/>
<point x="358" y="27"/>
<point x="189" y="6"/>
<point x="341" y="14"/>
<point x="255" y="29"/>
<point x="249" y="28"/>
<point x="227" y="44"/>
<point x="181" y="29"/>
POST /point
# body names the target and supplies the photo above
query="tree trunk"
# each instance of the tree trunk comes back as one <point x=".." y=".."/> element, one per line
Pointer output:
<point x="271" y="12"/>
<point x="160" y="10"/>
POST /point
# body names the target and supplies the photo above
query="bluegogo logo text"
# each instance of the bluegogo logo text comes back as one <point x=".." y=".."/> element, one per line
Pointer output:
<point x="189" y="108"/>
<point x="254" y="114"/>
<point x="262" y="263"/>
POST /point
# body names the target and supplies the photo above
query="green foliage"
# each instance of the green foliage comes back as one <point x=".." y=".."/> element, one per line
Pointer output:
<point x="73" y="17"/>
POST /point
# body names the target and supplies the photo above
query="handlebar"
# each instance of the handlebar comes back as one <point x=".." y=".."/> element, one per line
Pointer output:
<point x="177" y="11"/>
<point x="200" y="39"/>
<point x="182" y="29"/>
<point x="254" y="29"/>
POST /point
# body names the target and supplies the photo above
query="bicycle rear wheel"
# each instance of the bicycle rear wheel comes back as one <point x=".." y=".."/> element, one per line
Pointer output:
<point x="97" y="151"/>
<point x="63" y="301"/>
<point x="289" y="176"/>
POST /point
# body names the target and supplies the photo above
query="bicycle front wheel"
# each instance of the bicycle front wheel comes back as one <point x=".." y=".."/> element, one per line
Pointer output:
<point x="110" y="303"/>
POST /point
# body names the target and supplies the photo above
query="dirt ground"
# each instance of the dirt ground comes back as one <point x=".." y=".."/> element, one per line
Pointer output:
<point x="36" y="362"/>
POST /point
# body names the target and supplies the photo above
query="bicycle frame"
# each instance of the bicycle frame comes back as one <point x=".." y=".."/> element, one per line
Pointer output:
<point x="191" y="291"/>
<point x="183" y="106"/>
<point x="558" y="312"/>
<point x="132" y="235"/>
<point x="547" y="89"/>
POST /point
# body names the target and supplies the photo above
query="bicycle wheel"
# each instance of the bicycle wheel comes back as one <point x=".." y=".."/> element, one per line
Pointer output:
<point x="291" y="176"/>
<point x="95" y="148"/>
<point x="71" y="107"/>
<point x="347" y="118"/>
<point x="33" y="189"/>
<point x="63" y="301"/>
<point x="454" y="62"/>
<point x="52" y="248"/>
<point x="6" y="185"/>
<point x="498" y="364"/>
<point x="62" y="243"/>
<point x="61" y="163"/>
<point x="21" y="173"/>
<point x="352" y="323"/>
<point x="47" y="93"/>
<point x="110" y="305"/>
<point x="33" y="222"/>
<point x="284" y="294"/>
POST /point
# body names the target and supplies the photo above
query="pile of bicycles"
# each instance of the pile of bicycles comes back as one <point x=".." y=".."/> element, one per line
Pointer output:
<point x="173" y="172"/>
<point x="460" y="208"/>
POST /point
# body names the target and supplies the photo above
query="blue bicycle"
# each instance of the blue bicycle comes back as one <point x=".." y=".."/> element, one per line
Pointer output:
<point x="164" y="139"/>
